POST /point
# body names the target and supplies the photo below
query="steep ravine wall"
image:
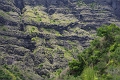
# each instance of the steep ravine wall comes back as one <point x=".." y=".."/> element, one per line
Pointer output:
<point x="40" y="37"/>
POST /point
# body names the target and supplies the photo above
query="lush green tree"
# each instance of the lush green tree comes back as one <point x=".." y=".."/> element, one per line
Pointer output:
<point x="108" y="31"/>
<point x="102" y="53"/>
<point x="76" y="67"/>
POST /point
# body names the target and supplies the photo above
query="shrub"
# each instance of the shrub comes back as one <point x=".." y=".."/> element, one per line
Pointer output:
<point x="4" y="76"/>
<point x="76" y="66"/>
<point x="89" y="74"/>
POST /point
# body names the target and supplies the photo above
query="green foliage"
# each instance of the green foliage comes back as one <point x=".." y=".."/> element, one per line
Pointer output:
<point x="3" y="28"/>
<point x="113" y="47"/>
<point x="117" y="38"/>
<point x="72" y="78"/>
<point x="76" y="67"/>
<point x="89" y="74"/>
<point x="3" y="75"/>
<point x="109" y="32"/>
<point x="93" y="5"/>
<point x="10" y="73"/>
<point x="31" y="29"/>
<point x="114" y="71"/>
<point x="117" y="54"/>
<point x="80" y="3"/>
<point x="40" y="66"/>
<point x="6" y="16"/>
<point x="95" y="42"/>
<point x="57" y="72"/>
<point x="35" y="39"/>
<point x="103" y="53"/>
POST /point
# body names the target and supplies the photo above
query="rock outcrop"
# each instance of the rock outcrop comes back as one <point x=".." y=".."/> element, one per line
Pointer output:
<point x="39" y="37"/>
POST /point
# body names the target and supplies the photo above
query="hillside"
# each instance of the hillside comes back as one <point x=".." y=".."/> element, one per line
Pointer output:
<point x="39" y="37"/>
<point x="101" y="60"/>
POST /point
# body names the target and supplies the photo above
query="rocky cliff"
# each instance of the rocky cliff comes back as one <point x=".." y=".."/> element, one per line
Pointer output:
<point x="39" y="37"/>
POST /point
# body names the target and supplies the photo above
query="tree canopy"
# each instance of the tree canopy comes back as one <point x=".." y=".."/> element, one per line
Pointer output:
<point x="103" y="54"/>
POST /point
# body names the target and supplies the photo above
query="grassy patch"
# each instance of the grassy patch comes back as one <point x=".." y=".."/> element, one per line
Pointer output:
<point x="50" y="31"/>
<point x="37" y="14"/>
<point x="89" y="74"/>
<point x="6" y="16"/>
<point x="31" y="29"/>
<point x="3" y="28"/>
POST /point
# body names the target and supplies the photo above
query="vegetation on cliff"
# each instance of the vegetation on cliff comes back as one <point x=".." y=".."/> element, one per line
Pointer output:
<point x="101" y="61"/>
<point x="39" y="37"/>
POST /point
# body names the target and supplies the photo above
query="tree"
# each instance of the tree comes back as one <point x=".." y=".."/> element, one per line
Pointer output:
<point x="102" y="53"/>
<point x="108" y="31"/>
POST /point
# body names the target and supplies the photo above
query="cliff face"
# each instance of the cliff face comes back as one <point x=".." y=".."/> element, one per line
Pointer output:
<point x="39" y="37"/>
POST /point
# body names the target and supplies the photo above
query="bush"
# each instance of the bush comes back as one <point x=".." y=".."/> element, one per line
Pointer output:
<point x="76" y="67"/>
<point x="89" y="74"/>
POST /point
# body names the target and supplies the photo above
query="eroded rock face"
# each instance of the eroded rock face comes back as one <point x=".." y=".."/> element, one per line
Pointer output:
<point x="117" y="8"/>
<point x="19" y="4"/>
<point x="41" y="36"/>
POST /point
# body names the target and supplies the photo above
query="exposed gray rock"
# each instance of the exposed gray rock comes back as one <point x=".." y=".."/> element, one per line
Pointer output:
<point x="46" y="46"/>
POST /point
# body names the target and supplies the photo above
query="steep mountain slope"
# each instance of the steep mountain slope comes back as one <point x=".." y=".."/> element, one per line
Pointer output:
<point x="39" y="37"/>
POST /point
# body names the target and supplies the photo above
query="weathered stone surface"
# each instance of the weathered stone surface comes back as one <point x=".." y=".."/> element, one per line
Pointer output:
<point x="41" y="36"/>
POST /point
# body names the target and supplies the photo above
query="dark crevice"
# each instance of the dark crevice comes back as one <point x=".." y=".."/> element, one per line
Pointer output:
<point x="19" y="4"/>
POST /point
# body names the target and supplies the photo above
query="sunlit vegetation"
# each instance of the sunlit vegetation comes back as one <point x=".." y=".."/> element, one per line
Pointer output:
<point x="101" y="60"/>
<point x="10" y="73"/>
<point x="32" y="29"/>
<point x="37" y="15"/>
